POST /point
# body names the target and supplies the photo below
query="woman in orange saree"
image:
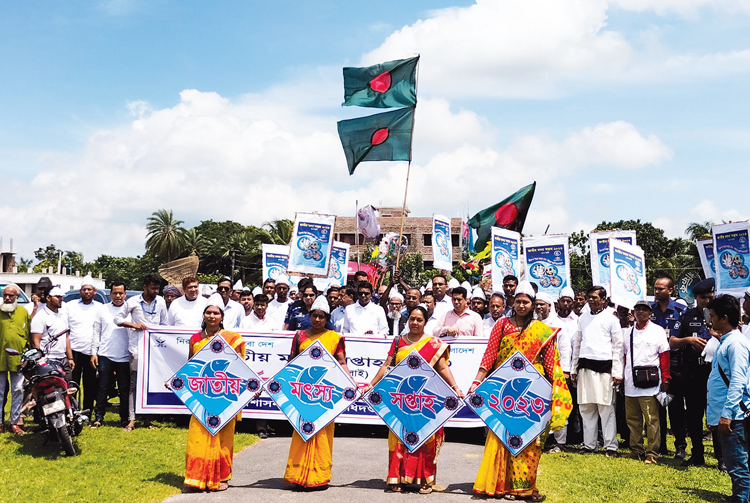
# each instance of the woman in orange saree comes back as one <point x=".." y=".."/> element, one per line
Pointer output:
<point x="418" y="467"/>
<point x="309" y="463"/>
<point x="502" y="474"/>
<point x="208" y="458"/>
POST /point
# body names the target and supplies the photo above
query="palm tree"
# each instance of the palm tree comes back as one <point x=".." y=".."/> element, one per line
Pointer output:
<point x="696" y="231"/>
<point x="276" y="232"/>
<point x="194" y="242"/>
<point x="166" y="237"/>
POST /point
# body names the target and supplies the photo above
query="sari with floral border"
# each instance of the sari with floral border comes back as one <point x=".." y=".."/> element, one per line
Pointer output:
<point x="208" y="458"/>
<point x="500" y="472"/>
<point x="420" y="466"/>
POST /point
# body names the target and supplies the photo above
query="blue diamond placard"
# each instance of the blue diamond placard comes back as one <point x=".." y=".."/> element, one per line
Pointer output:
<point x="514" y="402"/>
<point x="215" y="384"/>
<point x="413" y="400"/>
<point x="311" y="390"/>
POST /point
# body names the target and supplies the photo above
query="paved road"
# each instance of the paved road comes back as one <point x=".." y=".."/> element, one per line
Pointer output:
<point x="359" y="469"/>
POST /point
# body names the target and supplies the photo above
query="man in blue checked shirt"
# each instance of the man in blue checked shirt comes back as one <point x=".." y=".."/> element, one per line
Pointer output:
<point x="728" y="394"/>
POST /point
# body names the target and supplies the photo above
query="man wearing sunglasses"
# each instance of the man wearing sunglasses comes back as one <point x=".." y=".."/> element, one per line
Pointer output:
<point x="364" y="317"/>
<point x="233" y="310"/>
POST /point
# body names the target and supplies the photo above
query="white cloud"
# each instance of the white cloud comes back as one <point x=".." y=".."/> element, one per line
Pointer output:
<point x="706" y="211"/>
<point x="540" y="48"/>
<point x="689" y="8"/>
<point x="249" y="160"/>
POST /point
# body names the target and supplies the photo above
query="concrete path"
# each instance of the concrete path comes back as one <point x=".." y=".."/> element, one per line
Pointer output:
<point x="359" y="470"/>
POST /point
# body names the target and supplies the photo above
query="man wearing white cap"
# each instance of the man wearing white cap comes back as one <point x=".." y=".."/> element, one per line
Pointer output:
<point x="187" y="311"/>
<point x="233" y="311"/>
<point x="396" y="320"/>
<point x="14" y="334"/>
<point x="496" y="308"/>
<point x="237" y="291"/>
<point x="596" y="368"/>
<point x="81" y="315"/>
<point x="49" y="331"/>
<point x="460" y="320"/>
<point x="566" y="313"/>
<point x="478" y="301"/>
<point x="146" y="309"/>
<point x="277" y="307"/>
<point x="545" y="311"/>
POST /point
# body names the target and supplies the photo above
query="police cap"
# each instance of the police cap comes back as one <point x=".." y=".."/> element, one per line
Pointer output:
<point x="706" y="286"/>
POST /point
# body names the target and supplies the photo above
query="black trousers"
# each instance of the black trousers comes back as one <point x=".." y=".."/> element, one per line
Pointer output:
<point x="90" y="379"/>
<point x="109" y="371"/>
<point x="694" y="389"/>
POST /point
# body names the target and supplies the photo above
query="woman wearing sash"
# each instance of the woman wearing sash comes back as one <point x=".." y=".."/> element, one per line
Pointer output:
<point x="309" y="463"/>
<point x="418" y="467"/>
<point x="502" y="474"/>
<point x="208" y="458"/>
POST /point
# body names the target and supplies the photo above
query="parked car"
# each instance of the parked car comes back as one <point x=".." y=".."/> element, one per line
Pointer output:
<point x="101" y="296"/>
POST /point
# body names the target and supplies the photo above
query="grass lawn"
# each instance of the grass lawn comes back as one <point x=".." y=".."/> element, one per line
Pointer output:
<point x="141" y="466"/>
<point x="570" y="477"/>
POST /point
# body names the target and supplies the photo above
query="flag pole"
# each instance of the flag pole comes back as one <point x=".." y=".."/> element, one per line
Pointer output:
<point x="356" y="235"/>
<point x="408" y="171"/>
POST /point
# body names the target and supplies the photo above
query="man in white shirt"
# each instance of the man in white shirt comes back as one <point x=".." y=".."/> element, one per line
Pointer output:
<point x="364" y="317"/>
<point x="460" y="320"/>
<point x="233" y="311"/>
<point x="81" y="315"/>
<point x="187" y="311"/>
<point x="545" y="311"/>
<point x="650" y="348"/>
<point x="258" y="320"/>
<point x="277" y="307"/>
<point x="596" y="368"/>
<point x="110" y="355"/>
<point x="496" y="308"/>
<point x="569" y="318"/>
<point x="50" y="333"/>
<point x="443" y="302"/>
<point x="269" y="288"/>
<point x="347" y="295"/>
<point x="146" y="309"/>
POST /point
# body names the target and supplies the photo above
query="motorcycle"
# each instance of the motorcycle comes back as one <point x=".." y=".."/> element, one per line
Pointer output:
<point x="54" y="398"/>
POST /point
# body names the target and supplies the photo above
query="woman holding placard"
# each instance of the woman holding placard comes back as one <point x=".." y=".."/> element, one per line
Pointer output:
<point x="418" y="467"/>
<point x="208" y="458"/>
<point x="309" y="463"/>
<point x="502" y="474"/>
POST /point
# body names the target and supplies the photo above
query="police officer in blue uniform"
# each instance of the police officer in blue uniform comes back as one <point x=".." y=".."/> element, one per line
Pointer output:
<point x="690" y="371"/>
<point x="666" y="313"/>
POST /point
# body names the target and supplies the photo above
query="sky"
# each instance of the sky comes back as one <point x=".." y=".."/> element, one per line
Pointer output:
<point x="621" y="109"/>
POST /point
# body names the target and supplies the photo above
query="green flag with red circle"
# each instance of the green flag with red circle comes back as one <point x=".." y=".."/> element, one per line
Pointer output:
<point x="380" y="137"/>
<point x="510" y="213"/>
<point x="387" y="85"/>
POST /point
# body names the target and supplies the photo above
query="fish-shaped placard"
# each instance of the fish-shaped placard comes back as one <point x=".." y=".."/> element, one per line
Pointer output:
<point x="312" y="390"/>
<point x="514" y="402"/>
<point x="414" y="401"/>
<point x="215" y="384"/>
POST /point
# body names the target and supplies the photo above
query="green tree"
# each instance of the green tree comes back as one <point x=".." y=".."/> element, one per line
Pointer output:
<point x="696" y="230"/>
<point x="165" y="237"/>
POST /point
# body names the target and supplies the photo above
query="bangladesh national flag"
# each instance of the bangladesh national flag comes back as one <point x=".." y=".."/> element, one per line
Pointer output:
<point x="387" y="85"/>
<point x="510" y="213"/>
<point x="379" y="137"/>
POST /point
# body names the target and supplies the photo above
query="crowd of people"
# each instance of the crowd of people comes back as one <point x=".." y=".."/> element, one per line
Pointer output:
<point x="613" y="370"/>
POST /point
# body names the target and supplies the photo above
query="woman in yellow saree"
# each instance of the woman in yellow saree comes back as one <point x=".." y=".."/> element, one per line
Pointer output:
<point x="418" y="467"/>
<point x="208" y="458"/>
<point x="309" y="463"/>
<point x="502" y="474"/>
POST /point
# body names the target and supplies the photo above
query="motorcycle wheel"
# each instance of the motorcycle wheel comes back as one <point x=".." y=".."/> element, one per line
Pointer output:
<point x="66" y="441"/>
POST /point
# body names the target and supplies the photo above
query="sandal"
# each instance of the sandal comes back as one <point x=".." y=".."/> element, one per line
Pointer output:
<point x="425" y="489"/>
<point x="395" y="488"/>
<point x="510" y="497"/>
<point x="536" y="497"/>
<point x="95" y="424"/>
<point x="223" y="487"/>
<point x="127" y="429"/>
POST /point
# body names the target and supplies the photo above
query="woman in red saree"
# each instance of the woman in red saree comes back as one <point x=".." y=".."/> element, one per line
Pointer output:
<point x="208" y="458"/>
<point x="501" y="473"/>
<point x="418" y="467"/>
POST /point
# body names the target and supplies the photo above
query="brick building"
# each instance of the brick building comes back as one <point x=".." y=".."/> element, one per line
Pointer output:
<point x="418" y="232"/>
